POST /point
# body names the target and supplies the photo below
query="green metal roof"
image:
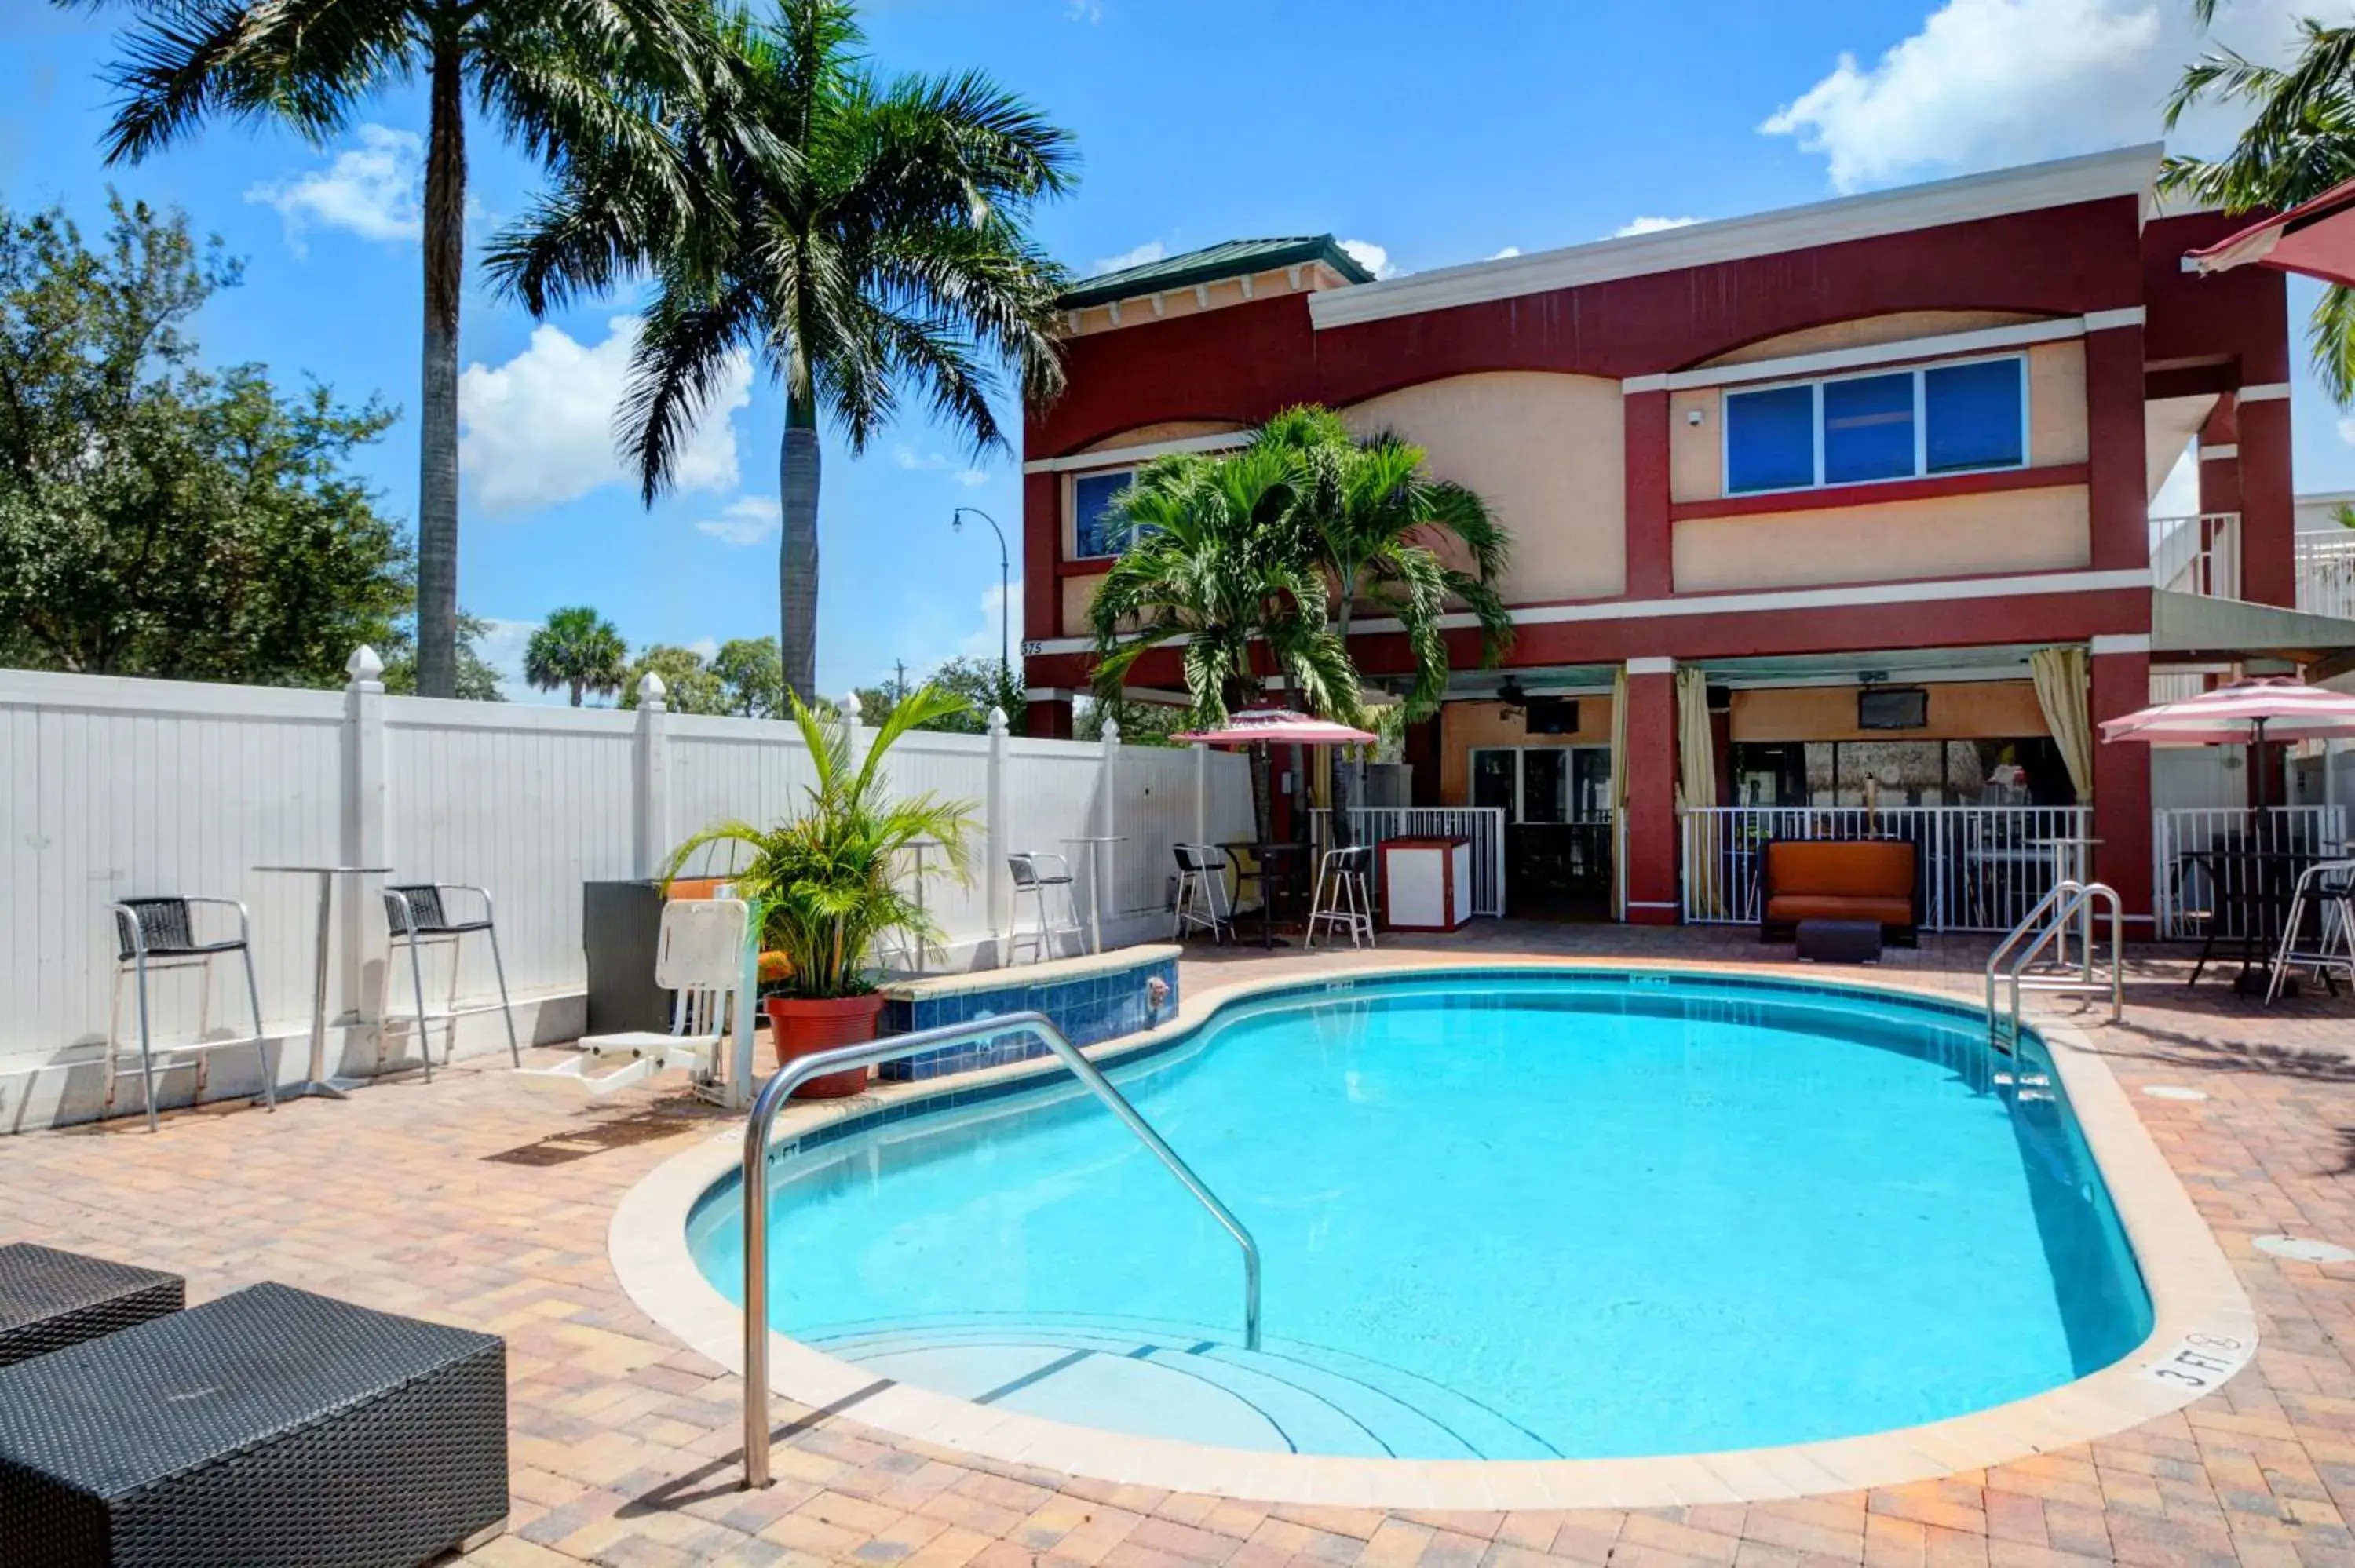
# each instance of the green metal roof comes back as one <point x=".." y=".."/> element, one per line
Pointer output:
<point x="1232" y="258"/>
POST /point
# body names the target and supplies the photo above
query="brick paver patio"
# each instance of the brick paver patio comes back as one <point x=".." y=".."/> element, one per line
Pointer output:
<point x="478" y="1201"/>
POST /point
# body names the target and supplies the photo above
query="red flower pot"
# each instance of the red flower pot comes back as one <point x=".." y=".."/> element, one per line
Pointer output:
<point x="799" y="1028"/>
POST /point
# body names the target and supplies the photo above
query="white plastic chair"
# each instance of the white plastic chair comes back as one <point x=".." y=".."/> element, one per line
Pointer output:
<point x="699" y="954"/>
<point x="1201" y="892"/>
<point x="2329" y="887"/>
<point x="1343" y="896"/>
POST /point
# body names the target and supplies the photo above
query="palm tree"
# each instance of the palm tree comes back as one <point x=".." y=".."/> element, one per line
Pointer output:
<point x="578" y="648"/>
<point x="2299" y="142"/>
<point x="1217" y="561"/>
<point x="1374" y="519"/>
<point x="867" y="239"/>
<point x="556" y="76"/>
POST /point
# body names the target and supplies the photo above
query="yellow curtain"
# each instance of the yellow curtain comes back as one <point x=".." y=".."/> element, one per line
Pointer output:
<point x="2060" y="675"/>
<point x="1696" y="784"/>
<point x="1619" y="793"/>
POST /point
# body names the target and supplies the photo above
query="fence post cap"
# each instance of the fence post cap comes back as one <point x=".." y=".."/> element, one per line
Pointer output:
<point x="364" y="664"/>
<point x="996" y="721"/>
<point x="651" y="690"/>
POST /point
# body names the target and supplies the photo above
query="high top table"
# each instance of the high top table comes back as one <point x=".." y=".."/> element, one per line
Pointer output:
<point x="316" y="1081"/>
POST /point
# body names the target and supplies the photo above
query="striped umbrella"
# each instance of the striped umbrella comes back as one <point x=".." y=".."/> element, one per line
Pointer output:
<point x="2250" y="712"/>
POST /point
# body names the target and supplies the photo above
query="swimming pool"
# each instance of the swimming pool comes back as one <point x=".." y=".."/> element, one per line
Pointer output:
<point x="1504" y="1215"/>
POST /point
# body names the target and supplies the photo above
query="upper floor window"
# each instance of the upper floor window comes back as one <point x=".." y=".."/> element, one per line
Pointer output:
<point x="1895" y="424"/>
<point x="1096" y="525"/>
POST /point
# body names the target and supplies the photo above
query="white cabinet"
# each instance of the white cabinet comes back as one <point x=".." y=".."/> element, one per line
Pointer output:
<point x="1426" y="884"/>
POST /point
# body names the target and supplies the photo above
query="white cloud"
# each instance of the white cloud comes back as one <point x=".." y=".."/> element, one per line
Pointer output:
<point x="501" y="647"/>
<point x="704" y="648"/>
<point x="1507" y="253"/>
<point x="1089" y="11"/>
<point x="1373" y="257"/>
<point x="1649" y="226"/>
<point x="1151" y="250"/>
<point x="371" y="189"/>
<point x="747" y="520"/>
<point x="907" y="457"/>
<point x="1989" y="82"/>
<point x="539" y="429"/>
<point x="984" y="642"/>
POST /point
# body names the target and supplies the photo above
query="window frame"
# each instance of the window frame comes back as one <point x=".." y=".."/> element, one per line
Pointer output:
<point x="1071" y="508"/>
<point x="1918" y="374"/>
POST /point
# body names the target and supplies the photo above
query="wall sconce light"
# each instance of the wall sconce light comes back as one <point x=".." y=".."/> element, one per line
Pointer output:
<point x="1692" y="416"/>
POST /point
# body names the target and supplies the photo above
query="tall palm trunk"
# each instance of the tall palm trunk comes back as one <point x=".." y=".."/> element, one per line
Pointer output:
<point x="1341" y="769"/>
<point x="437" y="455"/>
<point x="797" y="549"/>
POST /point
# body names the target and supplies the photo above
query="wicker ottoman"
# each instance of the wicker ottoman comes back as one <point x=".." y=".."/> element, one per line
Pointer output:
<point x="49" y="1299"/>
<point x="269" y="1429"/>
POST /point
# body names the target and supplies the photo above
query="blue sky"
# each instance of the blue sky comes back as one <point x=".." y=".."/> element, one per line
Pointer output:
<point x="1434" y="135"/>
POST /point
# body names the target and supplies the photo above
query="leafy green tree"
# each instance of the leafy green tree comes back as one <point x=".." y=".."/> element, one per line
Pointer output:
<point x="1377" y="523"/>
<point x="155" y="518"/>
<point x="1220" y="562"/>
<point x="578" y="651"/>
<point x="478" y="682"/>
<point x="1141" y="724"/>
<point x="690" y="685"/>
<point x="2298" y="141"/>
<point x="981" y="684"/>
<point x="754" y="678"/>
<point x="561" y="79"/>
<point x="869" y="238"/>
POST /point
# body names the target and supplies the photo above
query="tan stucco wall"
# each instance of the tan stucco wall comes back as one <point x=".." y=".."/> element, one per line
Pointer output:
<point x="1077" y="594"/>
<point x="1955" y="536"/>
<point x="1547" y="452"/>
<point x="1168" y="430"/>
<point x="1868" y="330"/>
<point x="2056" y="403"/>
<point x="1464" y="725"/>
<point x="1991" y="710"/>
<point x="2056" y="422"/>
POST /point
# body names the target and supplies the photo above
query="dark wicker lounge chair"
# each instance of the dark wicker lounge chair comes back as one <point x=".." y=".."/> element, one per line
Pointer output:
<point x="49" y="1299"/>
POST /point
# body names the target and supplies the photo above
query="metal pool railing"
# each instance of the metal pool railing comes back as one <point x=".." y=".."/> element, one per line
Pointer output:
<point x="793" y="1075"/>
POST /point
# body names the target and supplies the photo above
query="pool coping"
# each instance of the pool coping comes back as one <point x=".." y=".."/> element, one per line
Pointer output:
<point x="2204" y="1327"/>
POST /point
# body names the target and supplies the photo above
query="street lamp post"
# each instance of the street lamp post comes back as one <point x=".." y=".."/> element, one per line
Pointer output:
<point x="1004" y="590"/>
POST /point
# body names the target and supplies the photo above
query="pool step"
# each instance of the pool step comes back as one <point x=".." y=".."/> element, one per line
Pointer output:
<point x="1179" y="1380"/>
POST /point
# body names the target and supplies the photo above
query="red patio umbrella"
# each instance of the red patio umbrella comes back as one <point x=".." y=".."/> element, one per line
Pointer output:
<point x="2271" y="707"/>
<point x="2316" y="237"/>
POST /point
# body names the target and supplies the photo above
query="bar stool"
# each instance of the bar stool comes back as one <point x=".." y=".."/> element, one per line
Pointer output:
<point x="2329" y="887"/>
<point x="1343" y="895"/>
<point x="1032" y="881"/>
<point x="1201" y="892"/>
<point x="416" y="915"/>
<point x="154" y="934"/>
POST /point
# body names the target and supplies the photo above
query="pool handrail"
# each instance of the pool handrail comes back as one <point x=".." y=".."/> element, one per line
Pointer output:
<point x="793" y="1074"/>
<point x="2068" y="900"/>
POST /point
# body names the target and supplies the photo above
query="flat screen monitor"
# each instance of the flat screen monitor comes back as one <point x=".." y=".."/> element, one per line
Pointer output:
<point x="1892" y="707"/>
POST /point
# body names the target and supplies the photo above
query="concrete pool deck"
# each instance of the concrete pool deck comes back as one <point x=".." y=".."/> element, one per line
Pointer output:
<point x="477" y="1200"/>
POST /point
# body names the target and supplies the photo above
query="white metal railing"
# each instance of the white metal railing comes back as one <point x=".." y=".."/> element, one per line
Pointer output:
<point x="2199" y="555"/>
<point x="2199" y="853"/>
<point x="2326" y="574"/>
<point x="1983" y="868"/>
<point x="1484" y="825"/>
<point x="2047" y="926"/>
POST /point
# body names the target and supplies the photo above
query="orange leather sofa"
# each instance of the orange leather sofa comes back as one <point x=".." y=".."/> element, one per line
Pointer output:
<point x="1853" y="879"/>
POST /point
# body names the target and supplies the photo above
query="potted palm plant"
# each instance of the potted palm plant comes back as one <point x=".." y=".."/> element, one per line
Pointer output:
<point x="829" y="881"/>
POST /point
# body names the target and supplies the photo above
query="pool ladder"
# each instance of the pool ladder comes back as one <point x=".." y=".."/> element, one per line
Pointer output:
<point x="2069" y="903"/>
<point x="799" y="1070"/>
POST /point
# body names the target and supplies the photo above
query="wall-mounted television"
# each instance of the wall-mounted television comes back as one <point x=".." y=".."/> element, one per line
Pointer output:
<point x="1551" y="716"/>
<point x="1892" y="707"/>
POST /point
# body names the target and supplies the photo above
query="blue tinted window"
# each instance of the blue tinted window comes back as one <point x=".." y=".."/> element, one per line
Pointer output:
<point x="1973" y="412"/>
<point x="1770" y="439"/>
<point x="1869" y="429"/>
<point x="1098" y="525"/>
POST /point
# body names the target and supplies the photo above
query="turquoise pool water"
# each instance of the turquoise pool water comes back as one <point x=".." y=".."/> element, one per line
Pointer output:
<point x="1507" y="1215"/>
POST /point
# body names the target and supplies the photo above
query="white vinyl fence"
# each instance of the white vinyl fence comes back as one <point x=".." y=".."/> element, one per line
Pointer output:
<point x="2209" y="863"/>
<point x="1983" y="868"/>
<point x="113" y="788"/>
<point x="1484" y="825"/>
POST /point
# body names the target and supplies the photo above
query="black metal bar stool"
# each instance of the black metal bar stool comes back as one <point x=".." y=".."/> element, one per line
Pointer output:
<point x="158" y="934"/>
<point x="417" y="915"/>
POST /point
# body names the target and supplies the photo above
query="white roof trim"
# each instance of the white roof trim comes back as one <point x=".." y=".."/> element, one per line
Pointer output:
<point x="2264" y="392"/>
<point x="1943" y="345"/>
<point x="1122" y="457"/>
<point x="2126" y="171"/>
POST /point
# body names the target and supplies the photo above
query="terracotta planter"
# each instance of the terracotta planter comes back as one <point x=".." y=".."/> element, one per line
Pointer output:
<point x="798" y="1028"/>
